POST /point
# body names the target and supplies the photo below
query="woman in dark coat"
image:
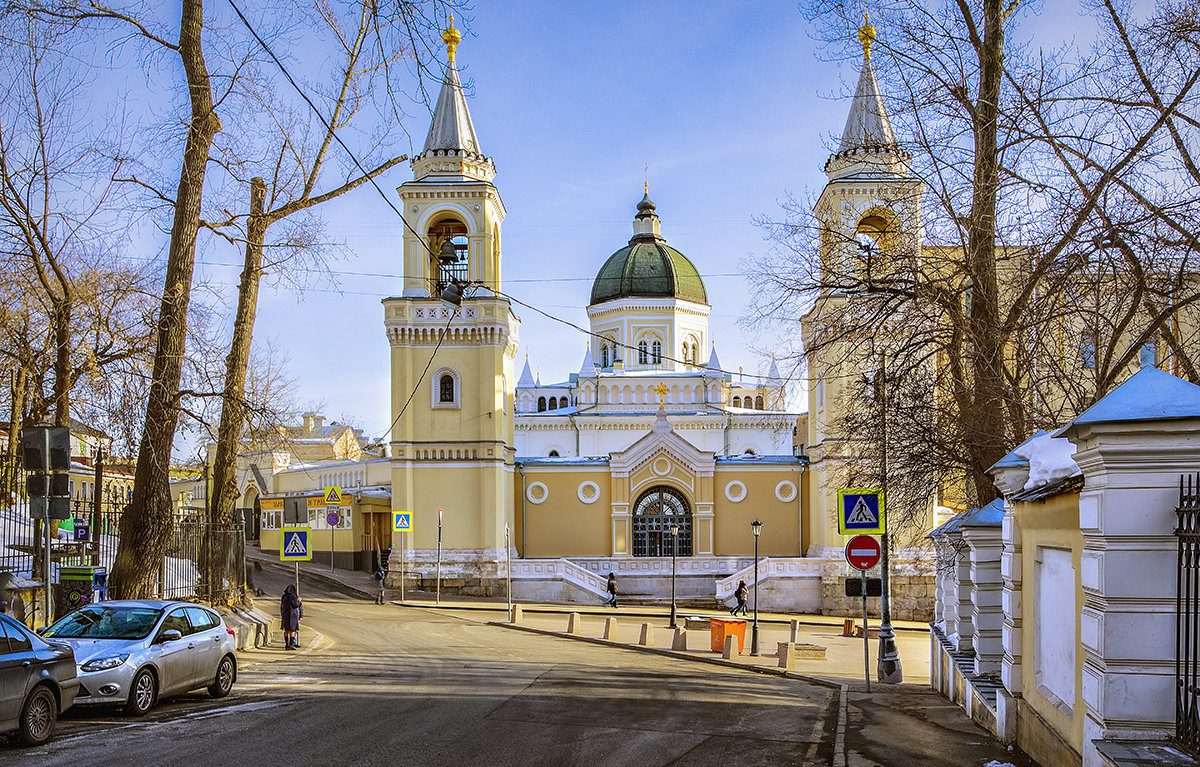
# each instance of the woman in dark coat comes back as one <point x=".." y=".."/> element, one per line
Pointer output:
<point x="742" y="592"/>
<point x="290" y="611"/>
<point x="612" y="590"/>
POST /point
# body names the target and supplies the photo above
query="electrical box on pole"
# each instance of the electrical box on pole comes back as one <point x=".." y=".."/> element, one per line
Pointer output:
<point x="46" y="454"/>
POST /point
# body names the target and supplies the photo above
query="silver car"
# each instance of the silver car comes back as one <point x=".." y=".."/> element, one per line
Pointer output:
<point x="37" y="682"/>
<point x="134" y="652"/>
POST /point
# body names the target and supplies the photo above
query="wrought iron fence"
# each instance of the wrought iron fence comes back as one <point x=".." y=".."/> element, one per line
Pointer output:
<point x="203" y="562"/>
<point x="1187" y="616"/>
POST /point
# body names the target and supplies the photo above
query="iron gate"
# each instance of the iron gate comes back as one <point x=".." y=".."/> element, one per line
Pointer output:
<point x="1187" y="616"/>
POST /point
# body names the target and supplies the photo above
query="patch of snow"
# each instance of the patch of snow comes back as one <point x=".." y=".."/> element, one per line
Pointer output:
<point x="996" y="763"/>
<point x="1050" y="459"/>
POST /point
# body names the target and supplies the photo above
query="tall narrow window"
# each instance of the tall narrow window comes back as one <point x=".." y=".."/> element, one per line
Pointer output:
<point x="1087" y="350"/>
<point x="684" y="355"/>
<point x="737" y="401"/>
<point x="758" y="402"/>
<point x="604" y="355"/>
<point x="656" y="352"/>
<point x="446" y="389"/>
<point x="695" y="354"/>
<point x="643" y="357"/>
<point x="1148" y="355"/>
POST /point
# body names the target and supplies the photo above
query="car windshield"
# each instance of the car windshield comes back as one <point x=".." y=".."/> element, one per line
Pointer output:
<point x="100" y="622"/>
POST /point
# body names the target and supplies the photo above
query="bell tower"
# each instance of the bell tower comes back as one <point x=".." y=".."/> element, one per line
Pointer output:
<point x="452" y="359"/>
<point x="869" y="218"/>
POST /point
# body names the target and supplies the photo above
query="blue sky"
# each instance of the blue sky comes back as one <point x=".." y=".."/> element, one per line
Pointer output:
<point x="725" y="110"/>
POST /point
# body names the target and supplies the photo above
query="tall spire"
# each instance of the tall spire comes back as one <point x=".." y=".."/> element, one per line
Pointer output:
<point x="451" y="147"/>
<point x="868" y="129"/>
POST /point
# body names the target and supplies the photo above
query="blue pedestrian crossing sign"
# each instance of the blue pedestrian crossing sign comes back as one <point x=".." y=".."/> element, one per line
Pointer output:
<point x="294" y="545"/>
<point x="402" y="521"/>
<point x="861" y="511"/>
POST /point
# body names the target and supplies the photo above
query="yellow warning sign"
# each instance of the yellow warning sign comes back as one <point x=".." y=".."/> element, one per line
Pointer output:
<point x="333" y="495"/>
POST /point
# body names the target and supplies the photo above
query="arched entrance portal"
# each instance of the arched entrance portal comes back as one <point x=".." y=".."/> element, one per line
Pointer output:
<point x="653" y="515"/>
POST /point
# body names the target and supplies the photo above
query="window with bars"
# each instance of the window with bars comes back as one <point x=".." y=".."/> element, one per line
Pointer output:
<point x="656" y="512"/>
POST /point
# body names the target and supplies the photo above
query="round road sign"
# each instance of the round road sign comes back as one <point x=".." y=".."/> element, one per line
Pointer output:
<point x="334" y="519"/>
<point x="862" y="552"/>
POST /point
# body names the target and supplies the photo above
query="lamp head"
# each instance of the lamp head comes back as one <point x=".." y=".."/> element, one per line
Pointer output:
<point x="452" y="294"/>
<point x="756" y="526"/>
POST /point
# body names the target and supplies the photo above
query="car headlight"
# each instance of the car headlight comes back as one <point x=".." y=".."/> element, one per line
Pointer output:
<point x="100" y="664"/>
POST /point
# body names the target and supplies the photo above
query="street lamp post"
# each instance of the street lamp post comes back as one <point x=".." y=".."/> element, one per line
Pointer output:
<point x="756" y="526"/>
<point x="508" y="568"/>
<point x="889" y="669"/>
<point x="674" y="554"/>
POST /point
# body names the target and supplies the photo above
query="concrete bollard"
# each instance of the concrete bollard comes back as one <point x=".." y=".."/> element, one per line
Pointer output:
<point x="731" y="648"/>
<point x="515" y="615"/>
<point x="794" y="633"/>
<point x="787" y="654"/>
<point x="574" y="624"/>
<point x="610" y="628"/>
<point x="647" y="637"/>
<point x="679" y="641"/>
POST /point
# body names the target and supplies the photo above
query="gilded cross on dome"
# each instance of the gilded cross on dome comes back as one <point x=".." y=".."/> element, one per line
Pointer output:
<point x="662" y="390"/>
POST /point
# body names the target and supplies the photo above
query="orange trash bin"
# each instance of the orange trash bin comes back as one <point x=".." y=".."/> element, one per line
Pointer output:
<point x="720" y="628"/>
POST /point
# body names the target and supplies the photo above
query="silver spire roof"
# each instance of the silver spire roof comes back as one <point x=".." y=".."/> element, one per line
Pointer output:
<point x="867" y="125"/>
<point x="451" y="127"/>
<point x="526" y="380"/>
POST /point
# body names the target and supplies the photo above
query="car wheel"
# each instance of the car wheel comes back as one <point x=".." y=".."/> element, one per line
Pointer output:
<point x="223" y="682"/>
<point x="142" y="693"/>
<point x="38" y="717"/>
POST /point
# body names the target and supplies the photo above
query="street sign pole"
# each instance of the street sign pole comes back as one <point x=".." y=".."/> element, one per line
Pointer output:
<point x="866" y="633"/>
<point x="403" y="564"/>
<point x="439" y="560"/>
<point x="46" y="522"/>
<point x="508" y="567"/>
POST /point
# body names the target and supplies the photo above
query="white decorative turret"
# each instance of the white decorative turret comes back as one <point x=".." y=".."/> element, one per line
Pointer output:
<point x="526" y="379"/>
<point x="588" y="368"/>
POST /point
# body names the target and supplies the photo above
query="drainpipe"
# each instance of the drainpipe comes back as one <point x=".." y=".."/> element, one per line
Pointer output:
<point x="524" y="543"/>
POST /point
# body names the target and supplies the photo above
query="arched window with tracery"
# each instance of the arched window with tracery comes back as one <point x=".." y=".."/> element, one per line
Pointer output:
<point x="446" y="388"/>
<point x="643" y="357"/>
<point x="695" y="354"/>
<point x="656" y="352"/>
<point x="656" y="512"/>
<point x="604" y="355"/>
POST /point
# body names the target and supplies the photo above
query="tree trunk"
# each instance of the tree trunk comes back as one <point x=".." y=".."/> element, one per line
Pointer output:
<point x="146" y="526"/>
<point x="984" y="420"/>
<point x="61" y="317"/>
<point x="233" y="403"/>
<point x="20" y="381"/>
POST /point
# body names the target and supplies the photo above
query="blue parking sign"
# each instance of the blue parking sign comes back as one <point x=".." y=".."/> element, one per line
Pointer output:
<point x="860" y="511"/>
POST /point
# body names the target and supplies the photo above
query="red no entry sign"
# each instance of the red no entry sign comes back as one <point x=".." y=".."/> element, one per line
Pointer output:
<point x="862" y="552"/>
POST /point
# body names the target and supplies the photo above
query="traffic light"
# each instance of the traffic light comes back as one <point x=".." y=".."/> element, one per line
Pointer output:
<point x="46" y="451"/>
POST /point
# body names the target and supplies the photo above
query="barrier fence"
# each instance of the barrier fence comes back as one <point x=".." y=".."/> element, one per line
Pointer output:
<point x="203" y="562"/>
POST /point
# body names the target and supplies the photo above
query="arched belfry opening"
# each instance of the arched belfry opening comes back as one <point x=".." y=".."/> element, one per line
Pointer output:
<point x="876" y="239"/>
<point x="655" y="513"/>
<point x="448" y="240"/>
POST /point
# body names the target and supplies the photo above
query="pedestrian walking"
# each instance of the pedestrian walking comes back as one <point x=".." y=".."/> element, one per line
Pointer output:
<point x="612" y="590"/>
<point x="740" y="594"/>
<point x="291" y="610"/>
<point x="381" y="574"/>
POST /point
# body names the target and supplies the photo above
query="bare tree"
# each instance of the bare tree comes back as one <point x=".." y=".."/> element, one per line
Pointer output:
<point x="1059" y="198"/>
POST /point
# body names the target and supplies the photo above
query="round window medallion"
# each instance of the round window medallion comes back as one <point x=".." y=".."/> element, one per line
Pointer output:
<point x="589" y="492"/>
<point x="786" y="491"/>
<point x="735" y="491"/>
<point x="661" y="466"/>
<point x="537" y="492"/>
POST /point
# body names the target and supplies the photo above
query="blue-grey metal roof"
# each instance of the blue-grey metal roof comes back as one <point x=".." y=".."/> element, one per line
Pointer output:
<point x="1012" y="459"/>
<point x="990" y="515"/>
<point x="1149" y="395"/>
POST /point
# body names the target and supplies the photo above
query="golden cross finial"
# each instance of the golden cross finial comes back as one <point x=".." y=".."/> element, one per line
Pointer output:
<point x="866" y="35"/>
<point x="661" y="390"/>
<point x="451" y="37"/>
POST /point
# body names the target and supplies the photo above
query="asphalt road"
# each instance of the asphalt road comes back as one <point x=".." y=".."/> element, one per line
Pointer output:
<point x="385" y="685"/>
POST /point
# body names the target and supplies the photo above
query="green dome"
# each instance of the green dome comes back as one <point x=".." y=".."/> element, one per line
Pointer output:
<point x="648" y="268"/>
